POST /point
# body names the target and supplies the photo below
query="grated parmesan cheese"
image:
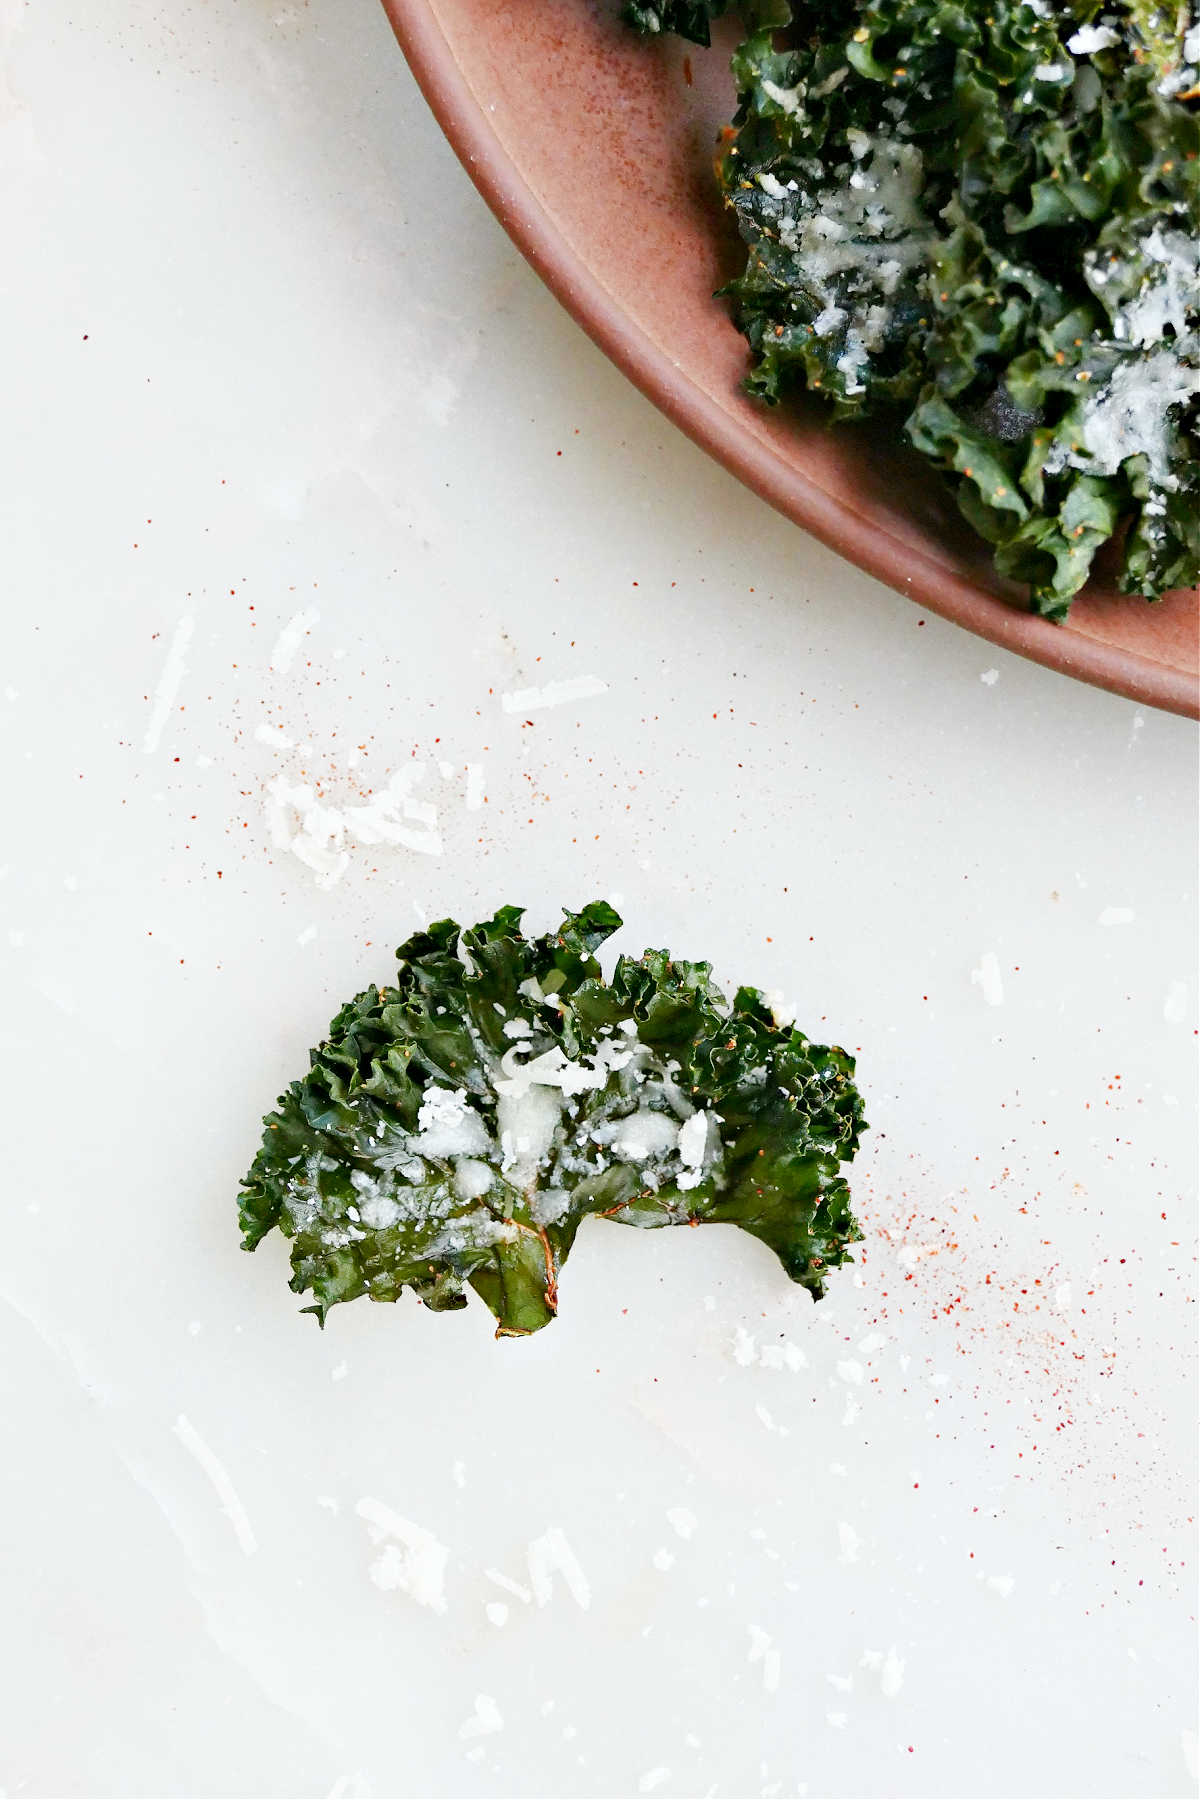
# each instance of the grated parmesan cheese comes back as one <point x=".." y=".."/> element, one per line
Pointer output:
<point x="1131" y="416"/>
<point x="448" y="1125"/>
<point x="1090" y="38"/>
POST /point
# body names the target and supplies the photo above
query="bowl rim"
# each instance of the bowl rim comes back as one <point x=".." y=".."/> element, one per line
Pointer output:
<point x="860" y="539"/>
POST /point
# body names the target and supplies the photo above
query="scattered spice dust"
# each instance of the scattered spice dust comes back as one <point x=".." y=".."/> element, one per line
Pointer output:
<point x="1024" y="1346"/>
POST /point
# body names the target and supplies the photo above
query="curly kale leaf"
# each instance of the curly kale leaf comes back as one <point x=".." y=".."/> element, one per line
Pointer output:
<point x="690" y="19"/>
<point x="455" y="1127"/>
<point x="693" y="19"/>
<point x="988" y="216"/>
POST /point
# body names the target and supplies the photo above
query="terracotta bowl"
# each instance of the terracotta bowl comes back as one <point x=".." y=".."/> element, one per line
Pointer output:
<point x="593" y="148"/>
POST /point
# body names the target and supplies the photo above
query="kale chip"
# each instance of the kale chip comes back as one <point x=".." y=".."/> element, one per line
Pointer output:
<point x="984" y="220"/>
<point x="455" y="1127"/>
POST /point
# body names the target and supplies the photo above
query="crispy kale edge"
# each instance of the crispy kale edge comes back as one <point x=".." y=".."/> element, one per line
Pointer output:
<point x="693" y="19"/>
<point x="787" y="1110"/>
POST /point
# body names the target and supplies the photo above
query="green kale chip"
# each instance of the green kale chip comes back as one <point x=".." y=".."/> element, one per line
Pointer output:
<point x="687" y="18"/>
<point x="455" y="1128"/>
<point x="693" y="18"/>
<point x="983" y="219"/>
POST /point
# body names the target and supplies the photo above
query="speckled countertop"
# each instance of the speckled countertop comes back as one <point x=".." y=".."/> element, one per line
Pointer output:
<point x="308" y="482"/>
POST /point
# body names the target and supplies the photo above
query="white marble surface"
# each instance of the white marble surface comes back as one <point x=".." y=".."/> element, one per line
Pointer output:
<point x="266" y="352"/>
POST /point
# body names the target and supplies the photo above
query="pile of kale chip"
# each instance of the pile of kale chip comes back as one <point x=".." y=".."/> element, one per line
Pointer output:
<point x="984" y="213"/>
